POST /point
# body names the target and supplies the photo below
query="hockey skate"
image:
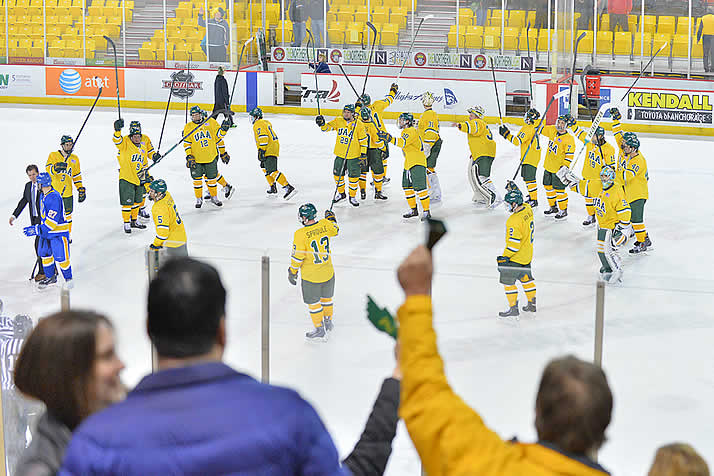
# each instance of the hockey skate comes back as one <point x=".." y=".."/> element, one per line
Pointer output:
<point x="328" y="324"/>
<point x="139" y="225"/>
<point x="199" y="202"/>
<point x="354" y="202"/>
<point x="589" y="221"/>
<point x="273" y="189"/>
<point x="411" y="214"/>
<point x="511" y="313"/>
<point x="386" y="181"/>
<point x="216" y="202"/>
<point x="363" y="194"/>
<point x="47" y="282"/>
<point x="339" y="197"/>
<point x="531" y="306"/>
<point x="144" y="215"/>
<point x="317" y="335"/>
<point x="289" y="192"/>
<point x="562" y="215"/>
<point x="228" y="191"/>
<point x="207" y="196"/>
<point x="426" y="215"/>
<point x="641" y="246"/>
<point x="551" y="210"/>
<point x="532" y="203"/>
<point x="127" y="228"/>
<point x="379" y="195"/>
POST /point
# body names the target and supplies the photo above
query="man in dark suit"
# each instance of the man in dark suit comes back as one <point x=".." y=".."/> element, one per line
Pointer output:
<point x="31" y="196"/>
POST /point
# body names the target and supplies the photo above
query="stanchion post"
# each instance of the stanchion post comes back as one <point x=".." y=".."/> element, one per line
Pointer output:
<point x="153" y="262"/>
<point x="265" y="320"/>
<point x="599" y="320"/>
<point x="64" y="299"/>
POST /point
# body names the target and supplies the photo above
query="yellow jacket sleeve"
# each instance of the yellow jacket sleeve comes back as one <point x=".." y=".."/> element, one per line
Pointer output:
<point x="298" y="254"/>
<point x="579" y="132"/>
<point x="332" y="125"/>
<point x="76" y="173"/>
<point x="449" y="436"/>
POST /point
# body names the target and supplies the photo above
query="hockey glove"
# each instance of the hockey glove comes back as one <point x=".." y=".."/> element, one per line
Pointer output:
<point x="154" y="247"/>
<point x="190" y="162"/>
<point x="330" y="215"/>
<point x="320" y="121"/>
<point x="118" y="124"/>
<point x="261" y="155"/>
<point x="385" y="136"/>
<point x="394" y="88"/>
<point x="156" y="157"/>
<point x="511" y="185"/>
<point x="570" y="120"/>
<point x="503" y="130"/>
<point x="567" y="176"/>
<point x="503" y="261"/>
<point x="358" y="103"/>
<point x="615" y="113"/>
<point x="60" y="167"/>
<point x="82" y="194"/>
<point x="225" y="125"/>
<point x="381" y="318"/>
<point x="225" y="158"/>
<point x="143" y="176"/>
<point x="32" y="230"/>
<point x="292" y="277"/>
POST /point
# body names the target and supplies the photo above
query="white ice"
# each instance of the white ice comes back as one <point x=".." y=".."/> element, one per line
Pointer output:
<point x="659" y="327"/>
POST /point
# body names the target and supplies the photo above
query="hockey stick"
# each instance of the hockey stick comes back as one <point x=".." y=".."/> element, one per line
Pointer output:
<point x="594" y="125"/>
<point x="530" y="77"/>
<point x="643" y="70"/>
<point x="412" y="45"/>
<point x="371" y="52"/>
<point x="572" y="74"/>
<point x="190" y="57"/>
<point x="240" y="58"/>
<point x="498" y="101"/>
<point x="166" y="113"/>
<point x="74" y="142"/>
<point x="344" y="165"/>
<point x="307" y="51"/>
<point x="116" y="71"/>
<point x="537" y="130"/>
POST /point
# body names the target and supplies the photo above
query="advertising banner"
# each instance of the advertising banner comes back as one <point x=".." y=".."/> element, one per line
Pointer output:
<point x="21" y="81"/>
<point x="78" y="82"/>
<point x="452" y="96"/>
<point x="425" y="59"/>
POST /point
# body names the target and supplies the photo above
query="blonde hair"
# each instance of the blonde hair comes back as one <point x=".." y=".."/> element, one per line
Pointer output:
<point x="678" y="459"/>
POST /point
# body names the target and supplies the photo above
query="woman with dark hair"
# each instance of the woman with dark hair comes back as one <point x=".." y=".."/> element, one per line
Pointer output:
<point x="69" y="363"/>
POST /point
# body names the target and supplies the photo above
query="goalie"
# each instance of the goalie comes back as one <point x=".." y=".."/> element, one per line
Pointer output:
<point x="613" y="217"/>
<point x="483" y="151"/>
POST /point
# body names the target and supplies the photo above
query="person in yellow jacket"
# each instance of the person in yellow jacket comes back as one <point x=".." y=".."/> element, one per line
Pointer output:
<point x="429" y="130"/>
<point x="633" y="176"/>
<point x="350" y="147"/>
<point x="613" y="217"/>
<point x="132" y="154"/>
<point x="268" y="150"/>
<point x="530" y="152"/>
<point x="572" y="411"/>
<point x="414" y="175"/>
<point x="203" y="147"/>
<point x="170" y="230"/>
<point x="515" y="262"/>
<point x="65" y="170"/>
<point x="312" y="254"/>
<point x="483" y="151"/>
<point x="561" y="149"/>
<point x="598" y="154"/>
<point x="377" y="149"/>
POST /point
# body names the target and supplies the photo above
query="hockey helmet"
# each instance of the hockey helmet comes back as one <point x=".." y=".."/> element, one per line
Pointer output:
<point x="607" y="176"/>
<point x="365" y="114"/>
<point x="599" y="135"/>
<point x="255" y="114"/>
<point x="66" y="139"/>
<point x="365" y="99"/>
<point x="22" y="326"/>
<point x="427" y="99"/>
<point x="44" y="179"/>
<point x="158" y="186"/>
<point x="134" y="128"/>
<point x="196" y="110"/>
<point x="406" y="119"/>
<point x="514" y="197"/>
<point x="349" y="107"/>
<point x="307" y="212"/>
<point x="532" y="115"/>
<point x="477" y="111"/>
<point x="631" y="140"/>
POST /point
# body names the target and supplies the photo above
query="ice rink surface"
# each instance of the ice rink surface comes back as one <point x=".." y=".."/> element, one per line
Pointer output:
<point x="659" y="325"/>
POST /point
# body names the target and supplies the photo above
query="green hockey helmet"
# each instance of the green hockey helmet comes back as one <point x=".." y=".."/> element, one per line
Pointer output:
<point x="66" y="139"/>
<point x="630" y="139"/>
<point x="350" y="108"/>
<point x="532" y="115"/>
<point x="255" y="114"/>
<point x="158" y="186"/>
<point x="365" y="114"/>
<point x="365" y="99"/>
<point x="406" y="119"/>
<point x="134" y="128"/>
<point x="307" y="212"/>
<point x="196" y="110"/>
<point x="514" y="197"/>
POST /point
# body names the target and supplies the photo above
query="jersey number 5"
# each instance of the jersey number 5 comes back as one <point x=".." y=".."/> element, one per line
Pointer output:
<point x="317" y="257"/>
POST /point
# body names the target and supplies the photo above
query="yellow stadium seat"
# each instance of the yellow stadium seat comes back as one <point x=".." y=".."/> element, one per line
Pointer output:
<point x="57" y="43"/>
<point x="55" y="52"/>
<point x="650" y="24"/>
<point x="682" y="24"/>
<point x="473" y="38"/>
<point x="389" y="35"/>
<point x="355" y="33"/>
<point x="491" y="42"/>
<point x="380" y="14"/>
<point x="181" y="55"/>
<point x="637" y="47"/>
<point x="345" y="16"/>
<point x="114" y="21"/>
<point x="510" y="38"/>
<point x="73" y="44"/>
<point x="35" y="11"/>
<point x="455" y="35"/>
<point x="95" y="10"/>
<point x="604" y="42"/>
<point x="622" y="43"/>
<point x="632" y="22"/>
<point x="465" y="16"/>
<point x="38" y="3"/>
<point x="528" y="39"/>
<point x="398" y="15"/>
<point x="660" y="39"/>
<point x="336" y="35"/>
<point x="665" y="25"/>
<point x="37" y="52"/>
<point x="36" y="20"/>
<point x="24" y="43"/>
<point x="361" y="14"/>
<point x="517" y="19"/>
<point x="605" y="22"/>
<point x="72" y="53"/>
<point x="76" y="12"/>
<point x="62" y="11"/>
<point x="19" y="52"/>
<point x="64" y="3"/>
<point x="680" y="46"/>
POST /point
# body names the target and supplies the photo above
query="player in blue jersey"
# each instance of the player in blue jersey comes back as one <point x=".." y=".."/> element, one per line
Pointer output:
<point x="53" y="233"/>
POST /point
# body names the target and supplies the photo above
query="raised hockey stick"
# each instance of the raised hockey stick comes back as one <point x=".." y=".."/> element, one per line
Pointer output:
<point x="307" y="51"/>
<point x="76" y="139"/>
<point x="371" y="52"/>
<point x="643" y="70"/>
<point x="416" y="33"/>
<point x="495" y="87"/>
<point x="166" y="113"/>
<point x="572" y="74"/>
<point x="190" y="57"/>
<point x="240" y="58"/>
<point x="530" y="77"/>
<point x="116" y="71"/>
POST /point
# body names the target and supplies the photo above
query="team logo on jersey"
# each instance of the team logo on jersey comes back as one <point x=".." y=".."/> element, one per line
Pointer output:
<point x="479" y="61"/>
<point x="420" y="59"/>
<point x="336" y="56"/>
<point x="183" y="84"/>
<point x="278" y="54"/>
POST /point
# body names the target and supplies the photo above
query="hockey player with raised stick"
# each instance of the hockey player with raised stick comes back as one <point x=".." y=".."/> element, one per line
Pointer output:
<point x="530" y="153"/>
<point x="613" y="217"/>
<point x="376" y="145"/>
<point x="65" y="170"/>
<point x="561" y="148"/>
<point x="429" y="131"/>
<point x="375" y="152"/>
<point x="414" y="175"/>
<point x="483" y="151"/>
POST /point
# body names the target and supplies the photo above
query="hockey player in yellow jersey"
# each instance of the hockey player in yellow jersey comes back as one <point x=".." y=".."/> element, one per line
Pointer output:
<point x="132" y="153"/>
<point x="598" y="154"/>
<point x="203" y="147"/>
<point x="350" y="147"/>
<point x="515" y="262"/>
<point x="613" y="217"/>
<point x="170" y="231"/>
<point x="414" y="175"/>
<point x="560" y="150"/>
<point x="64" y="168"/>
<point x="375" y="151"/>
<point x="429" y="131"/>
<point x="632" y="174"/>
<point x="376" y="109"/>
<point x="268" y="150"/>
<point x="228" y="189"/>
<point x="483" y="151"/>
<point x="312" y="255"/>
<point x="530" y="152"/>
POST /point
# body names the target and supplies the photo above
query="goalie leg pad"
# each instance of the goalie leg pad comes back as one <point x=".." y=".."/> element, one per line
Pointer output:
<point x="481" y="193"/>
<point x="611" y="257"/>
<point x="434" y="187"/>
